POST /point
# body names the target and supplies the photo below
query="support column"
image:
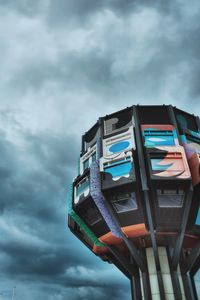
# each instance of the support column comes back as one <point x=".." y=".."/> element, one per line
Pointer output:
<point x="170" y="281"/>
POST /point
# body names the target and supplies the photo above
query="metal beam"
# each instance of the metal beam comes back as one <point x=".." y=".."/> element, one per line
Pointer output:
<point x="192" y="257"/>
<point x="188" y="288"/>
<point x="135" y="284"/>
<point x="146" y="286"/>
<point x="174" y="277"/>
<point x="138" y="258"/>
<point x="122" y="261"/>
<point x="145" y="190"/>
<point x="179" y="241"/>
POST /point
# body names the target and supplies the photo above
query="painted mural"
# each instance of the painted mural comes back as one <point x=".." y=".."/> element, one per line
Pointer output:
<point x="167" y="157"/>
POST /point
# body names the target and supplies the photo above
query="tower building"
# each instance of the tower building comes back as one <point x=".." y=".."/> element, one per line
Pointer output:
<point x="135" y="199"/>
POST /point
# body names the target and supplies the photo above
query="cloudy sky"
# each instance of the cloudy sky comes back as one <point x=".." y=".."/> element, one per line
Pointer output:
<point x="63" y="64"/>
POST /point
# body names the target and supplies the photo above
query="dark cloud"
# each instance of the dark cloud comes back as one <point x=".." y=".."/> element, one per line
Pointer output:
<point x="35" y="242"/>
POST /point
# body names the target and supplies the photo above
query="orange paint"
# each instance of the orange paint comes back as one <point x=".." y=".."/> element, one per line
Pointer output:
<point x="109" y="239"/>
<point x="135" y="230"/>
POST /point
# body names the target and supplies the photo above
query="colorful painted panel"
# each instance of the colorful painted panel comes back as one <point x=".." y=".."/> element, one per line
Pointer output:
<point x="119" y="143"/>
<point x="119" y="168"/>
<point x="158" y="164"/>
<point x="159" y="135"/>
<point x="118" y="147"/>
<point x="165" y="163"/>
<point x="152" y="140"/>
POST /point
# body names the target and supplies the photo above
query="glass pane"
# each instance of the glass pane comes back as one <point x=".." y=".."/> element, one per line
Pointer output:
<point x="91" y="215"/>
<point x="82" y="187"/>
<point x="86" y="164"/>
<point x="125" y="203"/>
<point x="167" y="199"/>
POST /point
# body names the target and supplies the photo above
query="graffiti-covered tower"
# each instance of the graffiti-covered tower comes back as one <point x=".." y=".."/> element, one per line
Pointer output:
<point x="135" y="200"/>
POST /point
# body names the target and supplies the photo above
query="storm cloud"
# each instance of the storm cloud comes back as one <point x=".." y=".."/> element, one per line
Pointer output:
<point x="63" y="65"/>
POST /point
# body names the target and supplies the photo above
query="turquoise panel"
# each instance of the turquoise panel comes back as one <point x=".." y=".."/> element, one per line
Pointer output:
<point x="119" y="170"/>
<point x="119" y="146"/>
<point x="198" y="218"/>
<point x="157" y="167"/>
<point x="159" y="140"/>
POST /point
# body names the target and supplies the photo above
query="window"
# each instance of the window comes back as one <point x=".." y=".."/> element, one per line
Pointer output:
<point x="86" y="164"/>
<point x="124" y="202"/>
<point x="170" y="198"/>
<point x="90" y="214"/>
<point x="82" y="186"/>
<point x="118" y="122"/>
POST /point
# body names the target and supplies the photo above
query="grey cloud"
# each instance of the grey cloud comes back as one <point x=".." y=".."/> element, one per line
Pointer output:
<point x="67" y="63"/>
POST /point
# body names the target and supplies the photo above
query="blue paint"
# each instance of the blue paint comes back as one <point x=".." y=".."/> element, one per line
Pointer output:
<point x="157" y="167"/>
<point x="159" y="140"/>
<point x="119" y="146"/>
<point x="198" y="218"/>
<point x="119" y="170"/>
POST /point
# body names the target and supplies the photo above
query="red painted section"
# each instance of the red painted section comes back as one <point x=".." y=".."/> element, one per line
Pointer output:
<point x="99" y="250"/>
<point x="158" y="127"/>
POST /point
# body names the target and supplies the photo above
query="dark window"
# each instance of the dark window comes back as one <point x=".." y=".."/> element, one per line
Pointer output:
<point x="90" y="214"/>
<point x="170" y="198"/>
<point x="118" y="121"/>
<point x="124" y="202"/>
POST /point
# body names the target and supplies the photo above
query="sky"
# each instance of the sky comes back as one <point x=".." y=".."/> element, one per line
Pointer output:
<point x="64" y="64"/>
